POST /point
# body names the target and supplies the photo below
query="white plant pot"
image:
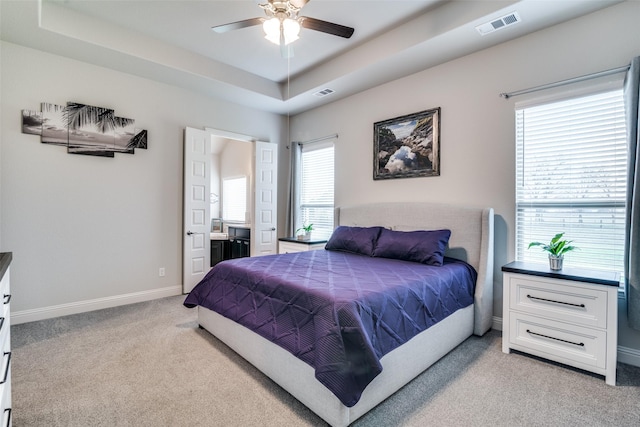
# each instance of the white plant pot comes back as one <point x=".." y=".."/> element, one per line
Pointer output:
<point x="555" y="262"/>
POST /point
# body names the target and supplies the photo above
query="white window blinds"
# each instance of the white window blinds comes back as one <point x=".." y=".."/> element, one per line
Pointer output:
<point x="317" y="187"/>
<point x="571" y="168"/>
<point x="234" y="199"/>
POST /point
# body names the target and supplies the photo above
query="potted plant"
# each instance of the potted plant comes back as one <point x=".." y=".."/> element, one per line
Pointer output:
<point x="557" y="247"/>
<point x="307" y="232"/>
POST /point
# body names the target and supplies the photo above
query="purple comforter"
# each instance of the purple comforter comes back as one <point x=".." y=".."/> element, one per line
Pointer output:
<point x="339" y="312"/>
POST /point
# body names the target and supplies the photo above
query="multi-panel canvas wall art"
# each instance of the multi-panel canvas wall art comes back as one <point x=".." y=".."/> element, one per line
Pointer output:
<point x="84" y="129"/>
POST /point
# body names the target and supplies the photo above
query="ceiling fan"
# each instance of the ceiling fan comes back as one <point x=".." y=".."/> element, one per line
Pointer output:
<point x="282" y="24"/>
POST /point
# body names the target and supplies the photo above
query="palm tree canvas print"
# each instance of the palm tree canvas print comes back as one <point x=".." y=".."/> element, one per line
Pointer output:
<point x="140" y="139"/>
<point x="91" y="130"/>
<point x="84" y="129"/>
<point x="55" y="129"/>
<point x="124" y="131"/>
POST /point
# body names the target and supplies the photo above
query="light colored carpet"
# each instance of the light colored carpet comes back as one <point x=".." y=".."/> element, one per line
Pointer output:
<point x="148" y="364"/>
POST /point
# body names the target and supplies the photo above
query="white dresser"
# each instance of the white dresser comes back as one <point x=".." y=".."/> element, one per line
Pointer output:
<point x="568" y="316"/>
<point x="288" y="245"/>
<point x="5" y="339"/>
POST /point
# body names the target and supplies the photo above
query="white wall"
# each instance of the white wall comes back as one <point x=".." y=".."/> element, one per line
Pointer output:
<point x="85" y="228"/>
<point x="477" y="132"/>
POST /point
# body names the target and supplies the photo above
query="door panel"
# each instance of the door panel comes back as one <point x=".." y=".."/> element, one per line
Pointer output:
<point x="266" y="214"/>
<point x="196" y="228"/>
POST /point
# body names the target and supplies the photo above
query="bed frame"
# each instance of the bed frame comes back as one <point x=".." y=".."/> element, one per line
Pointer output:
<point x="471" y="240"/>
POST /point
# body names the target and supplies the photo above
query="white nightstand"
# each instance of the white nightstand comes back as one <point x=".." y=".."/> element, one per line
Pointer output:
<point x="568" y="316"/>
<point x="289" y="244"/>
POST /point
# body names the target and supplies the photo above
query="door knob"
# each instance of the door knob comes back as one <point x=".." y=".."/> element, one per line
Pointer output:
<point x="189" y="233"/>
<point x="273" y="229"/>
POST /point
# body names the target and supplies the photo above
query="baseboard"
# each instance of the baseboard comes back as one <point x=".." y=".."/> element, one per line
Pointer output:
<point x="627" y="355"/>
<point x="630" y="356"/>
<point x="497" y="323"/>
<point x="35" y="314"/>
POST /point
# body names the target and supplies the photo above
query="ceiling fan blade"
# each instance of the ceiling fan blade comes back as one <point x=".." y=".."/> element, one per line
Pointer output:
<point x="326" y="27"/>
<point x="299" y="3"/>
<point x="237" y="25"/>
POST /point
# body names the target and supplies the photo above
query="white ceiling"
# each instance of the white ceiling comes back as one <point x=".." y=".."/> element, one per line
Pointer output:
<point x="171" y="41"/>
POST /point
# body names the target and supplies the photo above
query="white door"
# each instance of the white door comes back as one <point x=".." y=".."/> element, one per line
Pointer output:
<point x="265" y="241"/>
<point x="196" y="244"/>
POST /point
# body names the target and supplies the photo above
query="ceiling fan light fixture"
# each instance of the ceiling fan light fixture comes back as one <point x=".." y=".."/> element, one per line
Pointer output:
<point x="281" y="29"/>
<point x="271" y="29"/>
<point x="290" y="29"/>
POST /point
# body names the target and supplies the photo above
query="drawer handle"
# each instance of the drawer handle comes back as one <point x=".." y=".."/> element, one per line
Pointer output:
<point x="554" y="338"/>
<point x="556" y="302"/>
<point x="1" y="322"/>
<point x="7" y="298"/>
<point x="6" y="368"/>
<point x="8" y="417"/>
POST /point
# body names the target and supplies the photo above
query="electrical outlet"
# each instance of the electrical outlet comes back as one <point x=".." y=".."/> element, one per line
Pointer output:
<point x="161" y="272"/>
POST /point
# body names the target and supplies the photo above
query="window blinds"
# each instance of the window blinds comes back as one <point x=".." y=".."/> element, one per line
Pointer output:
<point x="571" y="166"/>
<point x="234" y="199"/>
<point x="317" y="187"/>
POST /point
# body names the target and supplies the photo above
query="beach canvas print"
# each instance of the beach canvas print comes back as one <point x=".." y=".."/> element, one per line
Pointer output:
<point x="55" y="129"/>
<point x="90" y="130"/>
<point x="124" y="132"/>
<point x="140" y="139"/>
<point x="84" y="129"/>
<point x="32" y="122"/>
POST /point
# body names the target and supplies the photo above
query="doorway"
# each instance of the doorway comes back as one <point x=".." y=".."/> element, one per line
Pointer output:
<point x="212" y="157"/>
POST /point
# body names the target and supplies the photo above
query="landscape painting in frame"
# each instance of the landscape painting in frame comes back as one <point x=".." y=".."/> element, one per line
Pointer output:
<point x="407" y="146"/>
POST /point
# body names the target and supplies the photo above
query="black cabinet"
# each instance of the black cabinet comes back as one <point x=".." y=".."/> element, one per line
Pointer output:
<point x="219" y="251"/>
<point x="239" y="242"/>
<point x="239" y="247"/>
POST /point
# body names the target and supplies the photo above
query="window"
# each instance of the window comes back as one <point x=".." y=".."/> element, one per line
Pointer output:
<point x="234" y="199"/>
<point x="316" y="188"/>
<point x="571" y="169"/>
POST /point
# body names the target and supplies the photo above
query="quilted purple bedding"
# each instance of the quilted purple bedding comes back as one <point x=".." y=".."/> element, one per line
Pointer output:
<point x="339" y="312"/>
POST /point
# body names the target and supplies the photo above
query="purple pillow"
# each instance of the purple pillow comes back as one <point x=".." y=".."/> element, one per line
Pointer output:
<point x="425" y="247"/>
<point x="359" y="240"/>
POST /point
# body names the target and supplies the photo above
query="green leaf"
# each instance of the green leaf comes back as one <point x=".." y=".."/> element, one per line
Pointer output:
<point x="556" y="246"/>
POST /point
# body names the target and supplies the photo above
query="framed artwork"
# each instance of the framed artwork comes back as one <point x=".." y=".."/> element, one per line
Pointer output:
<point x="407" y="146"/>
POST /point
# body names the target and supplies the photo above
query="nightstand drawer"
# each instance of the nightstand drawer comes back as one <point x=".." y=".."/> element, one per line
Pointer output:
<point x="287" y="247"/>
<point x="559" y="301"/>
<point x="558" y="341"/>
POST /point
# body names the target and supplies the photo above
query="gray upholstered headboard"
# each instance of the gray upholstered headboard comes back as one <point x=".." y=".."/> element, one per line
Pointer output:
<point x="471" y="238"/>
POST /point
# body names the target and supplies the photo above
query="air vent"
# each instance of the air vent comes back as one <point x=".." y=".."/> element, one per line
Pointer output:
<point x="324" y="92"/>
<point x="497" y="24"/>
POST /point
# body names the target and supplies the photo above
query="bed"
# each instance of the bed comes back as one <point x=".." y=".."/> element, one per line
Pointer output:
<point x="390" y="364"/>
